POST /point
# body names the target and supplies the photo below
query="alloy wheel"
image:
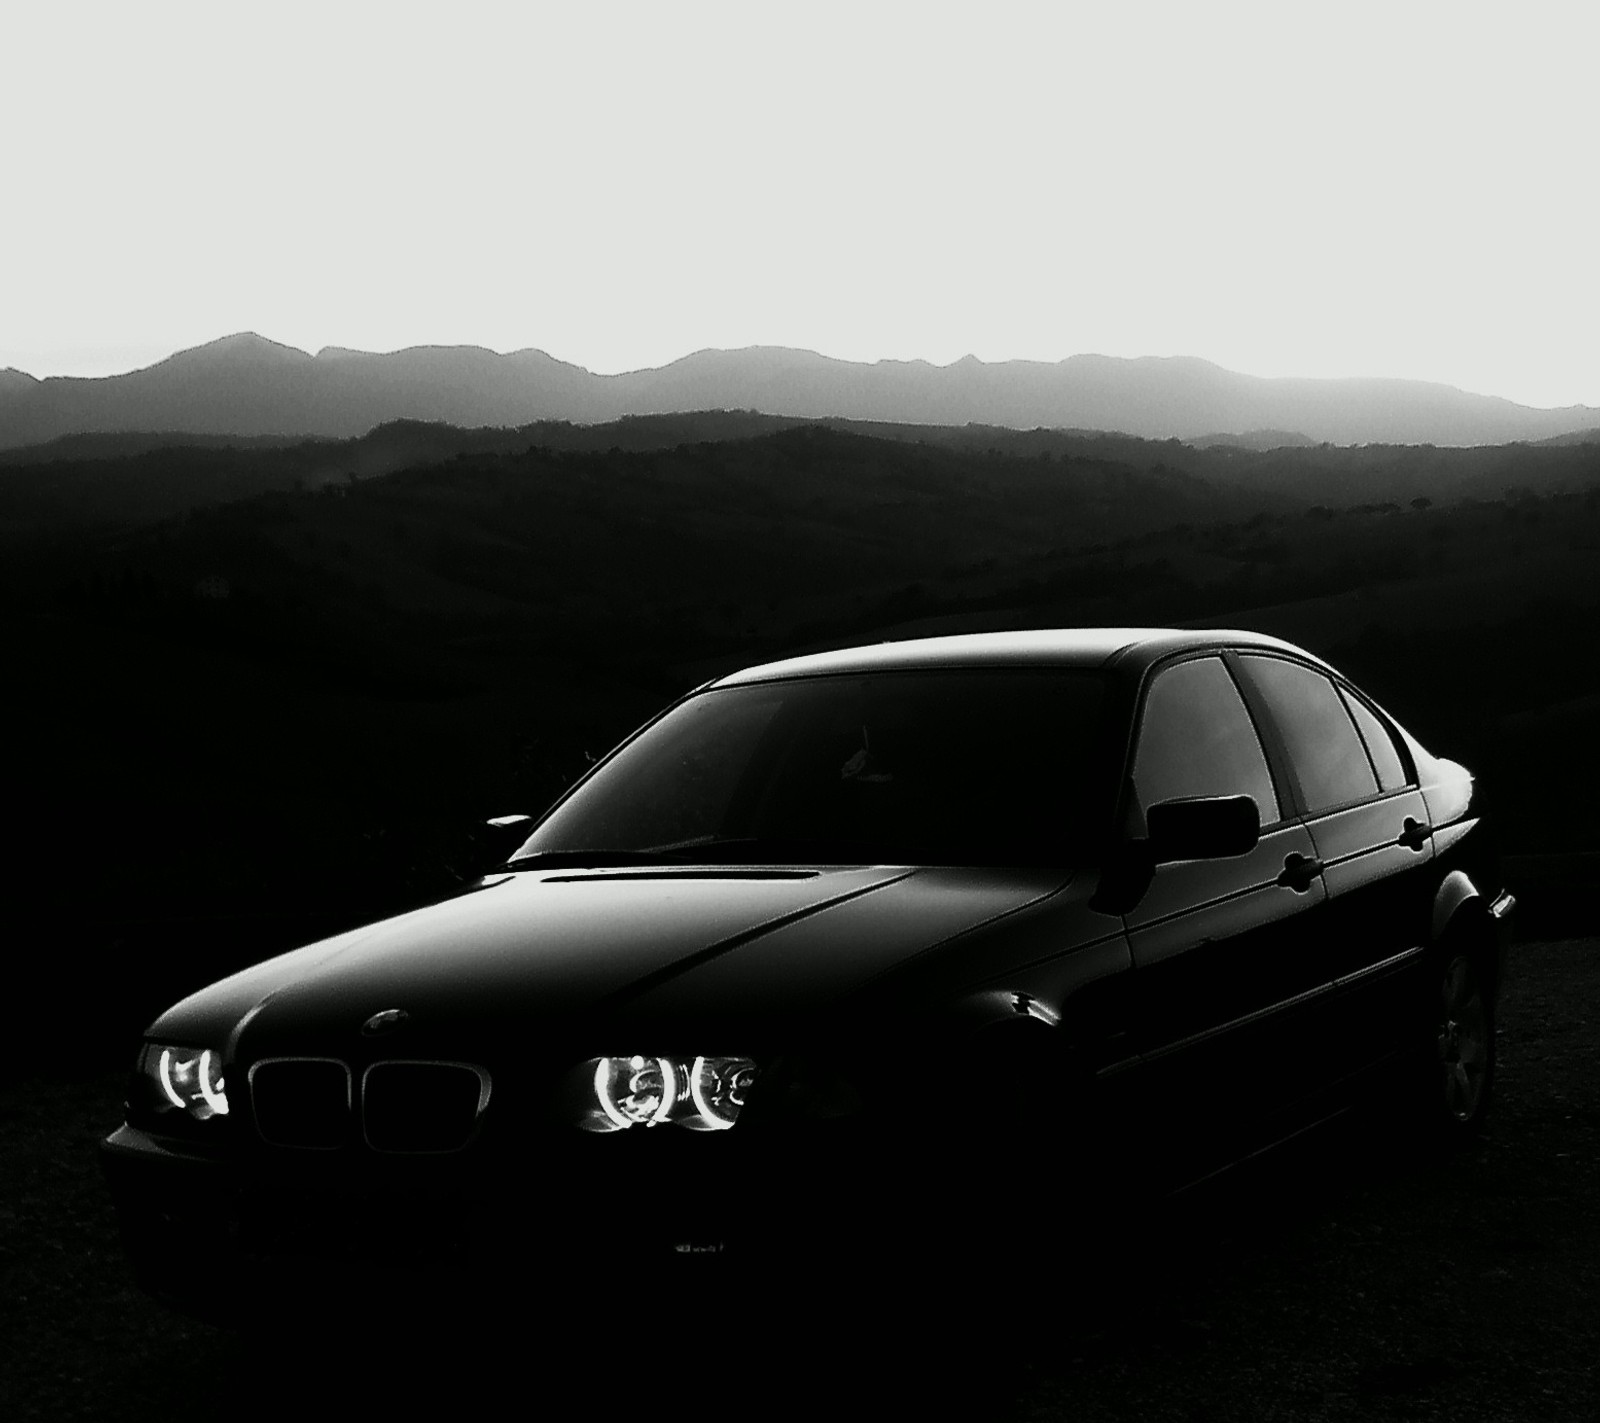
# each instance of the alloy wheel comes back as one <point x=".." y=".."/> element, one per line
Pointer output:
<point x="1463" y="1041"/>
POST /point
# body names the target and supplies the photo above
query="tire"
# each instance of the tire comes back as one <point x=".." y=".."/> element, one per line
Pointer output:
<point x="1459" y="1079"/>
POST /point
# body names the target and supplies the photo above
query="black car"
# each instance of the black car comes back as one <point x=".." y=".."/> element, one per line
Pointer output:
<point x="858" y="949"/>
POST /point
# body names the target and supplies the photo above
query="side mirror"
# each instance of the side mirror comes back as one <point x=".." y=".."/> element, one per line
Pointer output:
<point x="1203" y="828"/>
<point x="509" y="822"/>
<point x="504" y="833"/>
<point x="482" y="848"/>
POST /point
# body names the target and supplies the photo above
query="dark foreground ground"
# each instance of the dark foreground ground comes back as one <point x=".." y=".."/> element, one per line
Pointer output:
<point x="1343" y="1279"/>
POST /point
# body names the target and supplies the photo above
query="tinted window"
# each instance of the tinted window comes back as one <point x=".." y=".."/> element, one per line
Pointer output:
<point x="1380" y="745"/>
<point x="1196" y="739"/>
<point x="959" y="767"/>
<point x="1328" y="756"/>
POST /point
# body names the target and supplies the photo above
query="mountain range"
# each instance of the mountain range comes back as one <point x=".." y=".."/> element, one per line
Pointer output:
<point x="247" y="386"/>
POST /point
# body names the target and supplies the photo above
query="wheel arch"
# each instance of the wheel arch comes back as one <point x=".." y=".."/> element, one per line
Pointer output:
<point x="1462" y="921"/>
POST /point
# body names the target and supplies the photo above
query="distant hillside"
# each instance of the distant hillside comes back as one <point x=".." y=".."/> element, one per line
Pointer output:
<point x="123" y="481"/>
<point x="1253" y="440"/>
<point x="247" y="385"/>
<point x="662" y="549"/>
<point x="120" y="444"/>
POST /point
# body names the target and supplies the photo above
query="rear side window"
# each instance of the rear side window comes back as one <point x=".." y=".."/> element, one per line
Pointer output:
<point x="1196" y="739"/>
<point x="1380" y="745"/>
<point x="1329" y="759"/>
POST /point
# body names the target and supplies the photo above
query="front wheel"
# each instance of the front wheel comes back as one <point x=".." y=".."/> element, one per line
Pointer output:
<point x="1456" y="1074"/>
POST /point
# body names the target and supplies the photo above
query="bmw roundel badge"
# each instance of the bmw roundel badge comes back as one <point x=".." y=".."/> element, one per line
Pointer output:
<point x="384" y="1022"/>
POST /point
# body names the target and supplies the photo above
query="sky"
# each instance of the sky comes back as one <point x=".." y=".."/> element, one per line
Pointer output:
<point x="1307" y="189"/>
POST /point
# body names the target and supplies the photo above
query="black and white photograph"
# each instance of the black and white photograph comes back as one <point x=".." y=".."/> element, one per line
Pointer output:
<point x="768" y="711"/>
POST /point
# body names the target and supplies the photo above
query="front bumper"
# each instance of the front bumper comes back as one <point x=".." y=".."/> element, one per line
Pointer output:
<point x="229" y="1237"/>
<point x="225" y="1240"/>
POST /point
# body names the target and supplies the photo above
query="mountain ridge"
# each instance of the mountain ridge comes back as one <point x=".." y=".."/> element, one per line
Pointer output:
<point x="246" y="384"/>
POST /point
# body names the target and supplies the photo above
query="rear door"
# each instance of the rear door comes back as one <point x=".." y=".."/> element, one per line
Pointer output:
<point x="1369" y="822"/>
<point x="1219" y="946"/>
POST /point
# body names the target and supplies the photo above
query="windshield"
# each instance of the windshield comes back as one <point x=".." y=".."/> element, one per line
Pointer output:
<point x="982" y="766"/>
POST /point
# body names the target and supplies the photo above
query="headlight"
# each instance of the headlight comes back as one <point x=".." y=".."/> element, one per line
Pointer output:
<point x="702" y="1093"/>
<point x="180" y="1080"/>
<point x="718" y="1086"/>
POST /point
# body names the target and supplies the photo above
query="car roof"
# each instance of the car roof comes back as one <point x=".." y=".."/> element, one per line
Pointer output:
<point x="1132" y="649"/>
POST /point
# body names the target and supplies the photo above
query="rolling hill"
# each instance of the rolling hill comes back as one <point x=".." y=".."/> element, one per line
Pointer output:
<point x="246" y="385"/>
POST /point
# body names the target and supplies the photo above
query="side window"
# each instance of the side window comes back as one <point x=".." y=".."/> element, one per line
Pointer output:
<point x="1196" y="739"/>
<point x="1380" y="745"/>
<point x="1328" y="756"/>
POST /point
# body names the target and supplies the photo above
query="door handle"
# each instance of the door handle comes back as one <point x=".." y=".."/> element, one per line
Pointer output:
<point x="1412" y="835"/>
<point x="1298" y="873"/>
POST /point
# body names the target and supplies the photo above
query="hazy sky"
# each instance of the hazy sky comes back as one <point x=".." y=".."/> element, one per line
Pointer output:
<point x="1285" y="188"/>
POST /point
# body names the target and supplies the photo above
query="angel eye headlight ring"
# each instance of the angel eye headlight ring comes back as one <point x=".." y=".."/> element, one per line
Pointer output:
<point x="701" y="1093"/>
<point x="636" y="1091"/>
<point x="718" y="1086"/>
<point x="183" y="1080"/>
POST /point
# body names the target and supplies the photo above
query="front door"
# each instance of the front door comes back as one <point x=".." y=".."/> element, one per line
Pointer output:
<point x="1224" y="950"/>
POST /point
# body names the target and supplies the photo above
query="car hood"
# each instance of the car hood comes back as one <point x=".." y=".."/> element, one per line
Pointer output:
<point x="540" y="956"/>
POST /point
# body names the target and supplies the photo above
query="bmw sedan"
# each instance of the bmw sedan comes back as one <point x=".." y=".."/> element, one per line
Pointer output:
<point x="847" y="951"/>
